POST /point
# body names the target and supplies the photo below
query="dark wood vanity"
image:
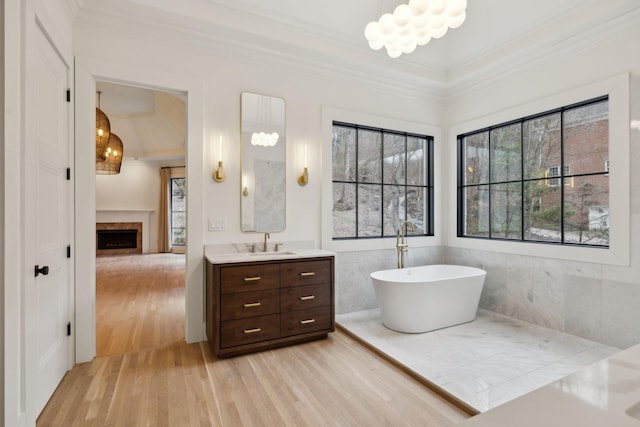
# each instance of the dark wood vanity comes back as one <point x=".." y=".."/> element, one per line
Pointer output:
<point x="257" y="305"/>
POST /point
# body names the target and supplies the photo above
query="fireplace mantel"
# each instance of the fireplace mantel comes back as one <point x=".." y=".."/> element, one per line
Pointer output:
<point x="128" y="215"/>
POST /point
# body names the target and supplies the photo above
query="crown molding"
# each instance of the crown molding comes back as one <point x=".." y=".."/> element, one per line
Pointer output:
<point x="74" y="6"/>
<point x="228" y="31"/>
<point x="520" y="55"/>
<point x="322" y="56"/>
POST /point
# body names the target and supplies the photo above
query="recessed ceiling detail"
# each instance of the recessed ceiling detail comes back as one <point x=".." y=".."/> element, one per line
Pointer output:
<point x="152" y="122"/>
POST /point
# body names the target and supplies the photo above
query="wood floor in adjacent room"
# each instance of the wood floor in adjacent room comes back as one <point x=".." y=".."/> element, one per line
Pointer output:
<point x="148" y="375"/>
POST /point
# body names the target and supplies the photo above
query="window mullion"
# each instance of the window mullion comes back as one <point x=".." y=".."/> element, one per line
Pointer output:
<point x="522" y="207"/>
<point x="406" y="178"/>
<point x="561" y="173"/>
<point x="382" y="138"/>
<point x="357" y="183"/>
<point x="462" y="205"/>
<point x="490" y="185"/>
<point x="429" y="208"/>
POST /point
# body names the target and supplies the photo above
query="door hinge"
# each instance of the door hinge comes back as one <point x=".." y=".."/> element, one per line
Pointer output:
<point x="69" y="329"/>
<point x="68" y="251"/>
<point x="68" y="174"/>
<point x="68" y="95"/>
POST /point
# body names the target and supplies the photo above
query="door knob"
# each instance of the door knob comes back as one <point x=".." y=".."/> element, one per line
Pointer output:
<point x="44" y="270"/>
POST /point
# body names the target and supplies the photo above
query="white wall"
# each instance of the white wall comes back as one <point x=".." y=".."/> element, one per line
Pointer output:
<point x="136" y="187"/>
<point x="216" y="77"/>
<point x="595" y="297"/>
<point x="2" y="108"/>
<point x="221" y="75"/>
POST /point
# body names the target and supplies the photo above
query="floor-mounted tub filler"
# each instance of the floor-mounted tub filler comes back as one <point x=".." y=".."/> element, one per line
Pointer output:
<point x="426" y="298"/>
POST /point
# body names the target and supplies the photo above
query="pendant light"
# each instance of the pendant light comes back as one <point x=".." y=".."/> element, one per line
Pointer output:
<point x="414" y="24"/>
<point x="103" y="130"/>
<point x="112" y="157"/>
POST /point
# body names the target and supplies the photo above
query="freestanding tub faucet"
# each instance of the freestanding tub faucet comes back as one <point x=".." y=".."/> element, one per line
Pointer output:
<point x="401" y="245"/>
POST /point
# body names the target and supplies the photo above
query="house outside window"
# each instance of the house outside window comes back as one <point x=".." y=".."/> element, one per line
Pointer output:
<point x="380" y="178"/>
<point x="510" y="185"/>
<point x="554" y="171"/>
<point x="178" y="212"/>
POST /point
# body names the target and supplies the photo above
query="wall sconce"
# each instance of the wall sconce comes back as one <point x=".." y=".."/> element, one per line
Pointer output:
<point x="245" y="191"/>
<point x="304" y="178"/>
<point x="218" y="174"/>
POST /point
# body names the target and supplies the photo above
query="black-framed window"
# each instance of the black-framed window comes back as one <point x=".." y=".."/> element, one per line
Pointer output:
<point x="381" y="178"/>
<point x="178" y="212"/>
<point x="541" y="178"/>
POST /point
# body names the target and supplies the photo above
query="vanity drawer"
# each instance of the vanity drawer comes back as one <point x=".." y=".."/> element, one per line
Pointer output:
<point x="303" y="321"/>
<point x="248" y="304"/>
<point x="305" y="297"/>
<point x="248" y="278"/>
<point x="250" y="330"/>
<point x="306" y="273"/>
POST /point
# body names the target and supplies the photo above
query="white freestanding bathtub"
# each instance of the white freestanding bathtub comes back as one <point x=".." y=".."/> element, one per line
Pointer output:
<point x="422" y="299"/>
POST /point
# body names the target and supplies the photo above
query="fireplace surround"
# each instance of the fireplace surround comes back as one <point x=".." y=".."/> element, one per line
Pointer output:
<point x="118" y="238"/>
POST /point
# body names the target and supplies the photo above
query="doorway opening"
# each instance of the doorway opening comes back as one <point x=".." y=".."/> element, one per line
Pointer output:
<point x="140" y="296"/>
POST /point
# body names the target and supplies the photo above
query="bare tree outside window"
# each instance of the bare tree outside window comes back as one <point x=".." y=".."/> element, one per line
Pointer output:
<point x="380" y="179"/>
<point x="542" y="178"/>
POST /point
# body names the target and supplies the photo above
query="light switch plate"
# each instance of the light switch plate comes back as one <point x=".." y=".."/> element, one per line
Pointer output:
<point x="217" y="224"/>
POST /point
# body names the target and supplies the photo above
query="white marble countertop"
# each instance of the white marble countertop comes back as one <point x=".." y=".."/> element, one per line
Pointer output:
<point x="606" y="393"/>
<point x="234" y="253"/>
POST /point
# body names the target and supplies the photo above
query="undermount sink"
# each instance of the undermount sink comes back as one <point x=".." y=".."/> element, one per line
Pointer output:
<point x="272" y="253"/>
<point x="634" y="411"/>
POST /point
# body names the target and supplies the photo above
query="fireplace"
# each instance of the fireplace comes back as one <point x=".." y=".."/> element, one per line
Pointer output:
<point x="116" y="238"/>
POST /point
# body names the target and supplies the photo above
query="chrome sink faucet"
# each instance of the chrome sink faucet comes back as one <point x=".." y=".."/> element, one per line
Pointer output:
<point x="264" y="247"/>
<point x="401" y="245"/>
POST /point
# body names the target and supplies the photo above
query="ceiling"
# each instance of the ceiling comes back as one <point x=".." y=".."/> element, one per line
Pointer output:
<point x="150" y="123"/>
<point x="489" y="23"/>
<point x="497" y="34"/>
<point x="498" y="37"/>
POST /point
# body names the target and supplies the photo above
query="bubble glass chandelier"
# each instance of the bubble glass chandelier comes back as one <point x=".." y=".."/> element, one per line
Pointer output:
<point x="414" y="24"/>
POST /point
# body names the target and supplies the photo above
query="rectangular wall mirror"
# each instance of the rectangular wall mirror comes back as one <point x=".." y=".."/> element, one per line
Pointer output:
<point x="263" y="199"/>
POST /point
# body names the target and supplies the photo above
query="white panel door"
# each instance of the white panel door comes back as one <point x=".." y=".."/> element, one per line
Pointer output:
<point x="47" y="222"/>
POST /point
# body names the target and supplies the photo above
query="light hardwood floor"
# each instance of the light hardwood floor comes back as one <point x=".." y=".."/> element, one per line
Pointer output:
<point x="331" y="382"/>
<point x="139" y="302"/>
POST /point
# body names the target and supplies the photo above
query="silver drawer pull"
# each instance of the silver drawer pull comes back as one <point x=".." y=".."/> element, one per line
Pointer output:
<point x="307" y="298"/>
<point x="252" y="304"/>
<point x="252" y="331"/>
<point x="252" y="279"/>
<point x="306" y="322"/>
<point x="308" y="273"/>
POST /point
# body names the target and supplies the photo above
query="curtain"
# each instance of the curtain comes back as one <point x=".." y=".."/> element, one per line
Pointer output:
<point x="164" y="240"/>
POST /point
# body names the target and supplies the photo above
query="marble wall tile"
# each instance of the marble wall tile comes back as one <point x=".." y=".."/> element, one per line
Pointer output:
<point x="562" y="295"/>
<point x="634" y="143"/>
<point x="620" y="314"/>
<point x="494" y="293"/>
<point x="353" y="290"/>
<point x="519" y="286"/>
<point x="583" y="307"/>
<point x="548" y="290"/>
<point x="353" y="287"/>
<point x="631" y="273"/>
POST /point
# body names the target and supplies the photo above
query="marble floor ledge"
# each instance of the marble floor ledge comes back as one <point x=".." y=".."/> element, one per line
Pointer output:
<point x="483" y="363"/>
